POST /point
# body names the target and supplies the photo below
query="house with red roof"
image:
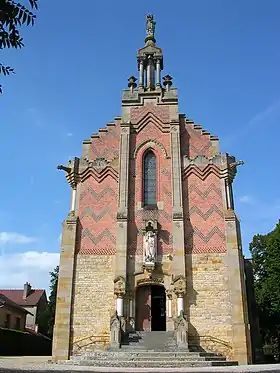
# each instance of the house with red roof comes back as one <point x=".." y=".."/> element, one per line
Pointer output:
<point x="34" y="301"/>
<point x="12" y="315"/>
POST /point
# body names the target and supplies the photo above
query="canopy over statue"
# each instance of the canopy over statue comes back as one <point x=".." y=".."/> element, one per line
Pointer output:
<point x="150" y="28"/>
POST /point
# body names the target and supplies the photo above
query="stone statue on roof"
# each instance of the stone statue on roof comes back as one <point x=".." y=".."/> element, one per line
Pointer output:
<point x="150" y="26"/>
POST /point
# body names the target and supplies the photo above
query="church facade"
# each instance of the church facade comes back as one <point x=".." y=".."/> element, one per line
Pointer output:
<point x="152" y="233"/>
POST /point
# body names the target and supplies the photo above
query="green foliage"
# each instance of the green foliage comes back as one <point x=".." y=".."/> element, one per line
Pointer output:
<point x="52" y="299"/>
<point x="46" y="319"/>
<point x="12" y="16"/>
<point x="265" y="250"/>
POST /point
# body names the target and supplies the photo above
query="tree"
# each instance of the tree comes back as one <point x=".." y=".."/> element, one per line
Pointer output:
<point x="52" y="298"/>
<point x="12" y="16"/>
<point x="46" y="320"/>
<point x="265" y="250"/>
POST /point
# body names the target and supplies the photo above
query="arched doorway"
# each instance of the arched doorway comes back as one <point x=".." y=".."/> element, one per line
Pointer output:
<point x="150" y="308"/>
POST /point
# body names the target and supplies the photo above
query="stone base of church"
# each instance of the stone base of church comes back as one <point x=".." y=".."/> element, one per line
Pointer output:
<point x="207" y="304"/>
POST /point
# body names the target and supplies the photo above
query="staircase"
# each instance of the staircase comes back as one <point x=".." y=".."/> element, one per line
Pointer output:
<point x="151" y="350"/>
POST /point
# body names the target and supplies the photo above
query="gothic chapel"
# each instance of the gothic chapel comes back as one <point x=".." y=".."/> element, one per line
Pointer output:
<point x="152" y="241"/>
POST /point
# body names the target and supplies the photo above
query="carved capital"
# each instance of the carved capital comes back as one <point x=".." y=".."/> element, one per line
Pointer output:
<point x="121" y="216"/>
<point x="177" y="216"/>
<point x="169" y="294"/>
<point x="119" y="286"/>
<point x="179" y="286"/>
<point x="150" y="280"/>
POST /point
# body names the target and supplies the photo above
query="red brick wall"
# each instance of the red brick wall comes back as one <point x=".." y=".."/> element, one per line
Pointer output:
<point x="203" y="205"/>
<point x="194" y="142"/>
<point x="98" y="199"/>
<point x="107" y="145"/>
<point x="150" y="122"/>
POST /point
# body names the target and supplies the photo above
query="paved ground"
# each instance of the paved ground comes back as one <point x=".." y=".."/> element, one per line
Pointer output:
<point x="42" y="364"/>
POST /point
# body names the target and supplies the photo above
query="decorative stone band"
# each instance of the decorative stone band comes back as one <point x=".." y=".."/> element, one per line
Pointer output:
<point x="78" y="170"/>
<point x="223" y="165"/>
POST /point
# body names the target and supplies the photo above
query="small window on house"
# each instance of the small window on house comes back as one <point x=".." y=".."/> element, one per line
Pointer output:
<point x="17" y="324"/>
<point x="8" y="321"/>
<point x="149" y="171"/>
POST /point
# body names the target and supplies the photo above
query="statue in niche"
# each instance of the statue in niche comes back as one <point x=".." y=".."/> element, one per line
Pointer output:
<point x="149" y="247"/>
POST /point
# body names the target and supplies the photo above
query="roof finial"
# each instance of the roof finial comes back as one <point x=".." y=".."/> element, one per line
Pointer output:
<point x="150" y="29"/>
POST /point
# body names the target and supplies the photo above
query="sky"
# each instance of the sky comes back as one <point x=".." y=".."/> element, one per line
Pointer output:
<point x="224" y="57"/>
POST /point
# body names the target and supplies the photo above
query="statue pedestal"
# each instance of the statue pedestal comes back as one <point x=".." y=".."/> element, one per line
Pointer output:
<point x="149" y="267"/>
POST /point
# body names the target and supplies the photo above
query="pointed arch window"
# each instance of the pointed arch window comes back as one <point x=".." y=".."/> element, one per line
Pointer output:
<point x="150" y="186"/>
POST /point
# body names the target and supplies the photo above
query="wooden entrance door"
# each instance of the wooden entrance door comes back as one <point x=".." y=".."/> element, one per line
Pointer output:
<point x="143" y="308"/>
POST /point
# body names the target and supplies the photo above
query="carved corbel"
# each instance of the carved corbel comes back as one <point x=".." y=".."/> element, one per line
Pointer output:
<point x="119" y="287"/>
<point x="234" y="164"/>
<point x="72" y="172"/>
<point x="179" y="286"/>
<point x="232" y="168"/>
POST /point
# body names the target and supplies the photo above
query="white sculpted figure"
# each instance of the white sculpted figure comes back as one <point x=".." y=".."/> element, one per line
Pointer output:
<point x="150" y="247"/>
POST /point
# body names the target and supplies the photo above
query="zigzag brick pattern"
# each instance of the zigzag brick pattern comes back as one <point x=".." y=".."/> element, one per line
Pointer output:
<point x="97" y="213"/>
<point x="139" y="112"/>
<point x="150" y="122"/>
<point x="205" y="229"/>
<point x="107" y="145"/>
<point x="194" y="142"/>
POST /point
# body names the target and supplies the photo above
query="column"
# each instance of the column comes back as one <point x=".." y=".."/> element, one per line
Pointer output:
<point x="73" y="199"/>
<point x="180" y="304"/>
<point x="158" y="74"/>
<point x="119" y="306"/>
<point x="141" y="75"/>
<point x="148" y="82"/>
<point x="228" y="194"/>
<point x="169" y="305"/>
<point x="131" y="308"/>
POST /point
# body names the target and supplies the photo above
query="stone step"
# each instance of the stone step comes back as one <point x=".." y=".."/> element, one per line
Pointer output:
<point x="151" y="350"/>
<point x="155" y="364"/>
<point x="159" y="358"/>
<point x="162" y="354"/>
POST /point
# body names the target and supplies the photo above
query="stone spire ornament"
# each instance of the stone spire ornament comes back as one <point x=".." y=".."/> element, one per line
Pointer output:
<point x="150" y="59"/>
<point x="150" y="29"/>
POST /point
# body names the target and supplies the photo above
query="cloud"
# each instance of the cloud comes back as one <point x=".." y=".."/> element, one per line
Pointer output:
<point x="271" y="113"/>
<point x="15" y="238"/>
<point x="246" y="199"/>
<point x="31" y="266"/>
<point x="69" y="134"/>
<point x="268" y="117"/>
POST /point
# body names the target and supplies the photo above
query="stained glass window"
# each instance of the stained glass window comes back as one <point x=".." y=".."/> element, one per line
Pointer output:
<point x="150" y="179"/>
